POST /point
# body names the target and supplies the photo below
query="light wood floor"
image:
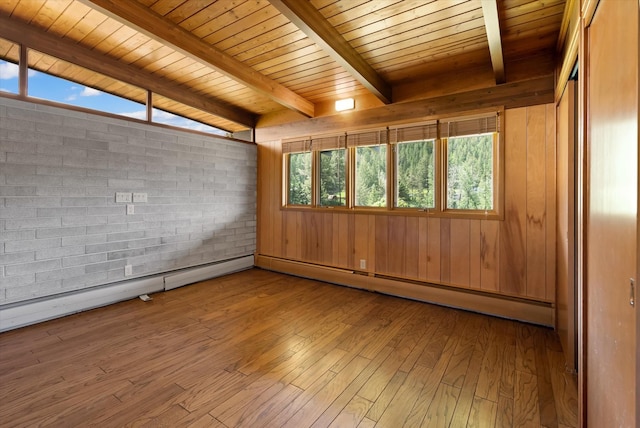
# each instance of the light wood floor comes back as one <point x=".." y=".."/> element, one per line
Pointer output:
<point x="262" y="349"/>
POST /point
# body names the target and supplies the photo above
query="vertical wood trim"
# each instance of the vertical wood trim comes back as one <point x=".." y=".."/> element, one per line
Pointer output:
<point x="371" y="259"/>
<point x="433" y="260"/>
<point x="536" y="210"/>
<point x="475" y="258"/>
<point x="396" y="241"/>
<point x="490" y="255"/>
<point x="381" y="244"/>
<point x="23" y="71"/>
<point x="513" y="262"/>
<point x="361" y="243"/>
<point x="445" y="250"/>
<point x="423" y="248"/>
<point x="412" y="248"/>
<point x="277" y="215"/>
<point x="551" y="212"/>
<point x="459" y="252"/>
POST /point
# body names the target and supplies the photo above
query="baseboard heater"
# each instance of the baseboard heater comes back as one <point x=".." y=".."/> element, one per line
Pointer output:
<point x="534" y="312"/>
<point x="20" y="314"/>
<point x="201" y="273"/>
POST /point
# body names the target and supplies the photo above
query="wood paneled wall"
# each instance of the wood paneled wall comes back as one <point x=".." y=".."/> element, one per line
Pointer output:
<point x="513" y="257"/>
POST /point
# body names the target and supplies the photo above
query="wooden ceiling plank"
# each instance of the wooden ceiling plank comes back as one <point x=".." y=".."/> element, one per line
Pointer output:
<point x="180" y="39"/>
<point x="306" y="17"/>
<point x="420" y="35"/>
<point x="265" y="32"/>
<point x="68" y="51"/>
<point x="405" y="26"/>
<point x="492" y="24"/>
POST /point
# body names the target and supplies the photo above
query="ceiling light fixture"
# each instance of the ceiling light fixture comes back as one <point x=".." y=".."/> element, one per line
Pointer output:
<point x="345" y="104"/>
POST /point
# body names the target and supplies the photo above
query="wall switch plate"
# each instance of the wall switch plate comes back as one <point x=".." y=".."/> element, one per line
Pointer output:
<point x="363" y="264"/>
<point x="131" y="209"/>
<point x="123" y="197"/>
<point x="128" y="270"/>
<point x="140" y="197"/>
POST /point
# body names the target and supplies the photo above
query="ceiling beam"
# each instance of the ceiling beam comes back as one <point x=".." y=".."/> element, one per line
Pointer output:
<point x="143" y="19"/>
<point x="66" y="50"/>
<point x="492" y="25"/>
<point x="311" y="22"/>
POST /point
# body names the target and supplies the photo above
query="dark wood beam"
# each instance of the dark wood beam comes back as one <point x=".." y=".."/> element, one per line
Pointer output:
<point x="66" y="50"/>
<point x="492" y="25"/>
<point x="510" y="95"/>
<point x="311" y="22"/>
<point x="143" y="19"/>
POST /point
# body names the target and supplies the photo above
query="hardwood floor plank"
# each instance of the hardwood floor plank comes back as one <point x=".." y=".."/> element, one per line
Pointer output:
<point x="526" y="411"/>
<point x="352" y="414"/>
<point x="504" y="417"/>
<point x="441" y="409"/>
<point x="261" y="349"/>
<point x="483" y="413"/>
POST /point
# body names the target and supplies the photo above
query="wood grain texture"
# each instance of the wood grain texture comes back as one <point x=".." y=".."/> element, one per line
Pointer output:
<point x="261" y="349"/>
<point x="611" y="225"/>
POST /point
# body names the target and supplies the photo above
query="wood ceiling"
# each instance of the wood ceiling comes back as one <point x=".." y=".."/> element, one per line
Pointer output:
<point x="231" y="63"/>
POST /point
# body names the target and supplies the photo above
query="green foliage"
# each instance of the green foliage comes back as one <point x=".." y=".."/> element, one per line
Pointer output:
<point x="415" y="174"/>
<point x="300" y="178"/>
<point x="371" y="176"/>
<point x="470" y="172"/>
<point x="333" y="184"/>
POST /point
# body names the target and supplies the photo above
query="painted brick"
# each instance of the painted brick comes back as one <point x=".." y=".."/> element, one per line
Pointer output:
<point x="60" y="171"/>
<point x="32" y="267"/>
<point x="50" y="253"/>
<point x="31" y="245"/>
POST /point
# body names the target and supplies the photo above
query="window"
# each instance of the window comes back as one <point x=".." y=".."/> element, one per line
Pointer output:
<point x="48" y="81"/>
<point x="446" y="168"/>
<point x="470" y="172"/>
<point x="415" y="166"/>
<point x="299" y="173"/>
<point x="9" y="70"/>
<point x="470" y="163"/>
<point x="333" y="180"/>
<point x="370" y="149"/>
<point x="371" y="176"/>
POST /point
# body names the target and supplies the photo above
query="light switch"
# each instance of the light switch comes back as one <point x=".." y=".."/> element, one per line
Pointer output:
<point x="123" y="197"/>
<point x="140" y="197"/>
<point x="131" y="209"/>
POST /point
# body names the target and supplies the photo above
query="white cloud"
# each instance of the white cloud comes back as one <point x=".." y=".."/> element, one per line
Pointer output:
<point x="142" y="114"/>
<point x="8" y="70"/>
<point x="90" y="92"/>
<point x="72" y="97"/>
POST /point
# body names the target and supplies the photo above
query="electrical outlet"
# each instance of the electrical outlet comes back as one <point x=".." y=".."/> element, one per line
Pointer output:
<point x="128" y="270"/>
<point x="131" y="209"/>
<point x="123" y="197"/>
<point x="363" y="264"/>
<point x="140" y="197"/>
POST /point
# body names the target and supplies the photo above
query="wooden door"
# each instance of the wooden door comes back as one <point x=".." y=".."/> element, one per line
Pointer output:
<point x="611" y="214"/>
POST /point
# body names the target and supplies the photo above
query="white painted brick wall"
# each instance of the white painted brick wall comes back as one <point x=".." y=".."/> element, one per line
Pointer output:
<point x="60" y="228"/>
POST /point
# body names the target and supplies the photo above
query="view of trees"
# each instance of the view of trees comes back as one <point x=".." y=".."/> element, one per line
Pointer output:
<point x="333" y="184"/>
<point x="300" y="178"/>
<point x="470" y="172"/>
<point x="371" y="176"/>
<point x="415" y="174"/>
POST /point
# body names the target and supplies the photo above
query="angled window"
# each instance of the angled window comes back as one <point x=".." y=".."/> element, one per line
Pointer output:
<point x="9" y="69"/>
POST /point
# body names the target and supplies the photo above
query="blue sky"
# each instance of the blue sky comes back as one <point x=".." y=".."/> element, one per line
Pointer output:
<point x="44" y="86"/>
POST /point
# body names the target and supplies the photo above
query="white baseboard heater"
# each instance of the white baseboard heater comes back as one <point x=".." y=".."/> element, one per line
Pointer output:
<point x="21" y="314"/>
<point x="201" y="273"/>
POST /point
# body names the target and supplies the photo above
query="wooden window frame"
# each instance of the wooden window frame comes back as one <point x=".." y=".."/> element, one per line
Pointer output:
<point x="440" y="174"/>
